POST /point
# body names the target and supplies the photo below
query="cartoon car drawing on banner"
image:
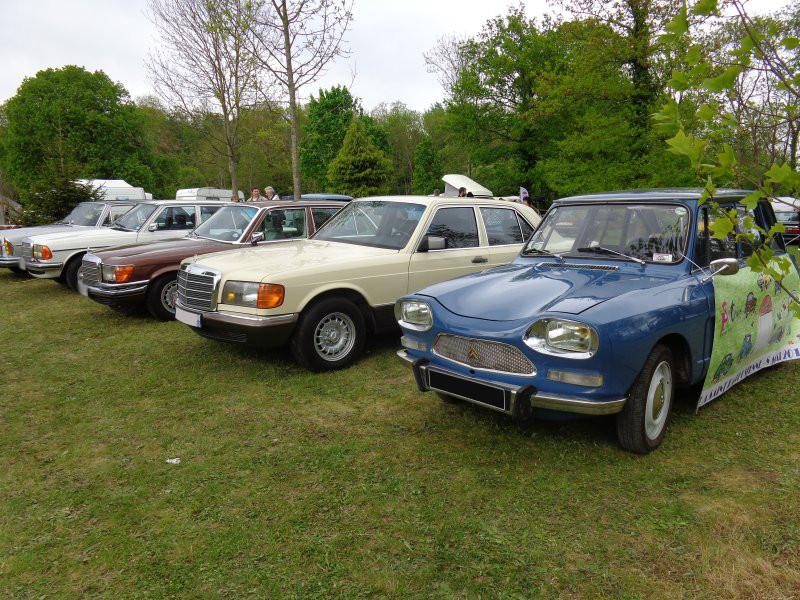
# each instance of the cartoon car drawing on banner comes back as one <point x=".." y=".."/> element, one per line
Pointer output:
<point x="608" y="314"/>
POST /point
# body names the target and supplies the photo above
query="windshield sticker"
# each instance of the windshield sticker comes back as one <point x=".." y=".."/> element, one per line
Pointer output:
<point x="754" y="329"/>
<point x="665" y="258"/>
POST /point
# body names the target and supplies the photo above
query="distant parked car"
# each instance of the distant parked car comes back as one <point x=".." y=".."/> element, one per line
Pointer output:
<point x="325" y="294"/>
<point x="787" y="212"/>
<point x="321" y="197"/>
<point x="87" y="215"/>
<point x="615" y="301"/>
<point x="58" y="255"/>
<point x="145" y="274"/>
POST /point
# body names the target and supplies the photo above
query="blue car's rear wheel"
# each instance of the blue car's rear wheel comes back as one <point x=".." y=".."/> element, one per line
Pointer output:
<point x="642" y="424"/>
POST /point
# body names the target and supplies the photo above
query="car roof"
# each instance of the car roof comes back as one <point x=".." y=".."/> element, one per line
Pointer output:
<point x="427" y="200"/>
<point x="656" y="195"/>
<point x="289" y="203"/>
<point x="191" y="200"/>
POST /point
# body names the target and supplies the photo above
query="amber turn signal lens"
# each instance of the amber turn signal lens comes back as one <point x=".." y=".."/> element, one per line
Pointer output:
<point x="46" y="253"/>
<point x="123" y="274"/>
<point x="269" y="295"/>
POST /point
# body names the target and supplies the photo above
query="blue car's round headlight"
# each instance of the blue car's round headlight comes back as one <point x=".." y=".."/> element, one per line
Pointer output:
<point x="413" y="314"/>
<point x="562" y="337"/>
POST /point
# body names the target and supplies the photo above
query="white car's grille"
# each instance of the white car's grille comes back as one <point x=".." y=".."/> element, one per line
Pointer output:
<point x="483" y="354"/>
<point x="195" y="290"/>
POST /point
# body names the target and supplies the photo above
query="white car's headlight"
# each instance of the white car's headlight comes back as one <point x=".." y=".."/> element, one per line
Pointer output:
<point x="413" y="314"/>
<point x="252" y="294"/>
<point x="562" y="337"/>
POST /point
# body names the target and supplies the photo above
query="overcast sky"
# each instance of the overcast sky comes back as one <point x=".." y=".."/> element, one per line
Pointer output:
<point x="387" y="40"/>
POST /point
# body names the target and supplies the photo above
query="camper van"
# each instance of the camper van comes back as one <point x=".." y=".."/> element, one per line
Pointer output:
<point x="116" y="189"/>
<point x="205" y="193"/>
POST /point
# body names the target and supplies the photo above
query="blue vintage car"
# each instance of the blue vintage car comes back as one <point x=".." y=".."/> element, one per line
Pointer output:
<point x="608" y="308"/>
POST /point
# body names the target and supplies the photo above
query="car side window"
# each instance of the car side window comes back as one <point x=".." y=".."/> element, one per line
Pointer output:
<point x="207" y="211"/>
<point x="502" y="226"/>
<point x="117" y="211"/>
<point x="527" y="230"/>
<point x="456" y="225"/>
<point x="321" y="215"/>
<point x="284" y="224"/>
<point x="708" y="248"/>
<point x="176" y="218"/>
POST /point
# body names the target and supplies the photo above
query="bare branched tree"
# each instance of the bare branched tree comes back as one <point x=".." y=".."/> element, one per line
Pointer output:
<point x="203" y="68"/>
<point x="295" y="40"/>
<point x="447" y="59"/>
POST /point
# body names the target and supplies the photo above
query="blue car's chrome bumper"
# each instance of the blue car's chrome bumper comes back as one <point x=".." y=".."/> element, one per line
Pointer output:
<point x="502" y="397"/>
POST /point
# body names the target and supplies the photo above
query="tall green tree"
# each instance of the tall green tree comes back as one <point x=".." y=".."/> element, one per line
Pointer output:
<point x="360" y="168"/>
<point x="329" y="116"/>
<point x="403" y="127"/>
<point x="427" y="168"/>
<point x="69" y="123"/>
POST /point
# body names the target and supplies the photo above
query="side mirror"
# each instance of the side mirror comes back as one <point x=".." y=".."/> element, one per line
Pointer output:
<point x="152" y="227"/>
<point x="432" y="242"/>
<point x="258" y="236"/>
<point x="724" y="266"/>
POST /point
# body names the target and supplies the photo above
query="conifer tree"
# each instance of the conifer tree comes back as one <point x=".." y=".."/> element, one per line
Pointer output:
<point x="360" y="168"/>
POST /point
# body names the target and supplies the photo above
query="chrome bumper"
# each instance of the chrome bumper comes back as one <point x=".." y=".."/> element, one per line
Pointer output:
<point x="11" y="261"/>
<point x="34" y="266"/>
<point x="267" y="331"/>
<point x="116" y="290"/>
<point x="516" y="395"/>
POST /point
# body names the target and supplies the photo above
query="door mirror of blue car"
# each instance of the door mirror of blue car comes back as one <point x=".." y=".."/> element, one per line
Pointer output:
<point x="432" y="242"/>
<point x="725" y="266"/>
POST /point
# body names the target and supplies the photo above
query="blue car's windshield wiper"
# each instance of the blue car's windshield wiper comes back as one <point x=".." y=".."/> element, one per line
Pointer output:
<point x="537" y="251"/>
<point x="603" y="250"/>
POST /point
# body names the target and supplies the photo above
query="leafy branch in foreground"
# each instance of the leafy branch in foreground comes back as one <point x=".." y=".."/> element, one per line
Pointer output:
<point x="764" y="58"/>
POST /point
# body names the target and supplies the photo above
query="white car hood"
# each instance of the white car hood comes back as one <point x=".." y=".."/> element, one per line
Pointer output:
<point x="85" y="238"/>
<point x="15" y="236"/>
<point x="254" y="264"/>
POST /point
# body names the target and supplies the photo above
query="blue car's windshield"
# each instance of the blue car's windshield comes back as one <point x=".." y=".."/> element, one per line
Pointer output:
<point x="649" y="232"/>
<point x="374" y="223"/>
<point x="227" y="224"/>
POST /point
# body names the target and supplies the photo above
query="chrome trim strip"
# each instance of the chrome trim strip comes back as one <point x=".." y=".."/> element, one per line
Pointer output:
<point x="44" y="266"/>
<point x="114" y="290"/>
<point x="241" y="319"/>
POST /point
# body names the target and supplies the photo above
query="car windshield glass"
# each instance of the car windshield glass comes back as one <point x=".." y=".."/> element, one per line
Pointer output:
<point x="86" y="213"/>
<point x="227" y="224"/>
<point x="374" y="223"/>
<point x="650" y="232"/>
<point x="787" y="217"/>
<point x="135" y="218"/>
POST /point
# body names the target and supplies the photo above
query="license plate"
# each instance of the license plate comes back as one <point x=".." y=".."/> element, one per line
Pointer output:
<point x="184" y="316"/>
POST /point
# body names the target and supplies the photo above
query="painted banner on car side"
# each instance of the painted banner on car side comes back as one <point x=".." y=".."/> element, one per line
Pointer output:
<point x="754" y="329"/>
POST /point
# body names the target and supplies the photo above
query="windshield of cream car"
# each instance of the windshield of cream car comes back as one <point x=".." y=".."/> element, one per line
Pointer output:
<point x="86" y="214"/>
<point x="134" y="218"/>
<point x="227" y="224"/>
<point x="648" y="232"/>
<point x="374" y="223"/>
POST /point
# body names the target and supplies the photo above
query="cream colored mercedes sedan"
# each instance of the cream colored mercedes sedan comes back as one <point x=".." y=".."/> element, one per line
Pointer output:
<point x="325" y="294"/>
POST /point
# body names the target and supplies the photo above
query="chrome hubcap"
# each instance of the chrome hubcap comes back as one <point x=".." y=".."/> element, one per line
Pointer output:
<point x="334" y="336"/>
<point x="168" y="296"/>
<point x="659" y="396"/>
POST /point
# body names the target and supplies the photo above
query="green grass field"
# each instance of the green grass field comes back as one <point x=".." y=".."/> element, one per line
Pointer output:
<point x="353" y="484"/>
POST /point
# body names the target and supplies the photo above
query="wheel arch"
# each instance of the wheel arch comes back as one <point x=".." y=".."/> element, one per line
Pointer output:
<point x="349" y="293"/>
<point x="681" y="354"/>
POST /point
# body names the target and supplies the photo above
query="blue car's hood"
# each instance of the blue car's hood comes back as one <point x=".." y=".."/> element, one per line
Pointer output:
<point x="518" y="291"/>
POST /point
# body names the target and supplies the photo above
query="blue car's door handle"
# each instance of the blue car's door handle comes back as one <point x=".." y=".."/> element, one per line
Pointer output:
<point x="480" y="259"/>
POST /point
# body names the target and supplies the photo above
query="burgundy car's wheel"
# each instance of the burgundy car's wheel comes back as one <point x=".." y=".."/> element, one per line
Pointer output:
<point x="161" y="296"/>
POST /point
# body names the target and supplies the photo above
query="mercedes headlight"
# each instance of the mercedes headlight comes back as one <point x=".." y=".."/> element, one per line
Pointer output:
<point x="8" y="248"/>
<point x="117" y="273"/>
<point x="413" y="314"/>
<point x="41" y="252"/>
<point x="252" y="295"/>
<point x="562" y="337"/>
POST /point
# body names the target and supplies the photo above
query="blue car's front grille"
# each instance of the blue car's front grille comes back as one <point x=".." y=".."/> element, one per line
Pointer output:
<point x="483" y="354"/>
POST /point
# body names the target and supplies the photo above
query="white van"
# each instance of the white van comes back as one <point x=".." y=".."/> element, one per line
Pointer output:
<point x="205" y="193"/>
<point x="116" y="189"/>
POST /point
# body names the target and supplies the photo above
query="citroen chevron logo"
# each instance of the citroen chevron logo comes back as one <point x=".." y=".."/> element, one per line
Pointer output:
<point x="472" y="353"/>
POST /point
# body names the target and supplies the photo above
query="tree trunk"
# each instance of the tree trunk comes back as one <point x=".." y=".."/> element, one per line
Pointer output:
<point x="795" y="131"/>
<point x="293" y="125"/>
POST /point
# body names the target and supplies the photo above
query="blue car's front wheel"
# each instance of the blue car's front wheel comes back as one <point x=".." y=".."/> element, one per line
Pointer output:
<point x="642" y="424"/>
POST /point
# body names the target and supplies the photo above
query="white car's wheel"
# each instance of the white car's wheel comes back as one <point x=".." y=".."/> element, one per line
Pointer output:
<point x="329" y="336"/>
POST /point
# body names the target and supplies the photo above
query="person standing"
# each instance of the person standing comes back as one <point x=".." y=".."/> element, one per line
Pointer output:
<point x="255" y="195"/>
<point x="269" y="192"/>
<point x="462" y="192"/>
